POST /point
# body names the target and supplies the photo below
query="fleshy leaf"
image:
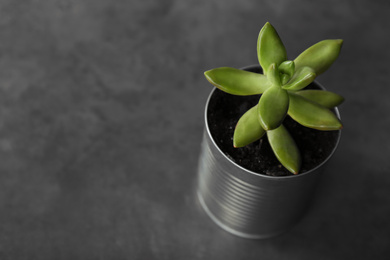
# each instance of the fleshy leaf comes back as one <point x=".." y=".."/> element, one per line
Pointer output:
<point x="287" y="67"/>
<point x="273" y="75"/>
<point x="248" y="129"/>
<point x="237" y="82"/>
<point x="311" y="114"/>
<point x="303" y="77"/>
<point x="273" y="106"/>
<point x="284" y="78"/>
<point x="285" y="148"/>
<point x="319" y="56"/>
<point x="270" y="48"/>
<point x="324" y="98"/>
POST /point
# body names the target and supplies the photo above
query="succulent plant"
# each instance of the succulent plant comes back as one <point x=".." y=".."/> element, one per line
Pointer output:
<point x="282" y="87"/>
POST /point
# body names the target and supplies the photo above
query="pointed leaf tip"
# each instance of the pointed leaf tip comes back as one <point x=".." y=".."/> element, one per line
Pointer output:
<point x="339" y="41"/>
<point x="237" y="82"/>
<point x="319" y="56"/>
<point x="311" y="114"/>
<point x="285" y="149"/>
<point x="324" y="98"/>
<point x="270" y="48"/>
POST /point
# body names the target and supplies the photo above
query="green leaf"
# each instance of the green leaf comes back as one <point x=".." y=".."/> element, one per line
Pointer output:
<point x="287" y="67"/>
<point x="284" y="78"/>
<point x="273" y="106"/>
<point x="248" y="129"/>
<point x="303" y="77"/>
<point x="285" y="149"/>
<point x="270" y="48"/>
<point x="273" y="75"/>
<point x="319" y="56"/>
<point x="311" y="114"/>
<point x="237" y="82"/>
<point x="324" y="98"/>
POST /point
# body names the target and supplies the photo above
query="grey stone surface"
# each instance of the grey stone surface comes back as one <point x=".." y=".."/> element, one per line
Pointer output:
<point x="101" y="116"/>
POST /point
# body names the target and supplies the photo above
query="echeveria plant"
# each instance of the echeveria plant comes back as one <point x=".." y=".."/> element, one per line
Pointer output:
<point x="282" y="88"/>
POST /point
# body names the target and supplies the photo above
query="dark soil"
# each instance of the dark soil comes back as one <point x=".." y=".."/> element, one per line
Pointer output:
<point x="225" y="110"/>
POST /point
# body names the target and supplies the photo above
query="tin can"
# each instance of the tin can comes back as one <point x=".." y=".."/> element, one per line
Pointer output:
<point x="250" y="204"/>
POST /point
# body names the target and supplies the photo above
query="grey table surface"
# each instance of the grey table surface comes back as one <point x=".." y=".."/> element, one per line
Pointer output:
<point x="101" y="118"/>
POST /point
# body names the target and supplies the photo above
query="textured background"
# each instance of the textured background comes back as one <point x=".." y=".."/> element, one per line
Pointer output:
<point x="101" y="117"/>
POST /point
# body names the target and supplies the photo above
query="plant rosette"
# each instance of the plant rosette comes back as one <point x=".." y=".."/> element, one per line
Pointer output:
<point x="269" y="130"/>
